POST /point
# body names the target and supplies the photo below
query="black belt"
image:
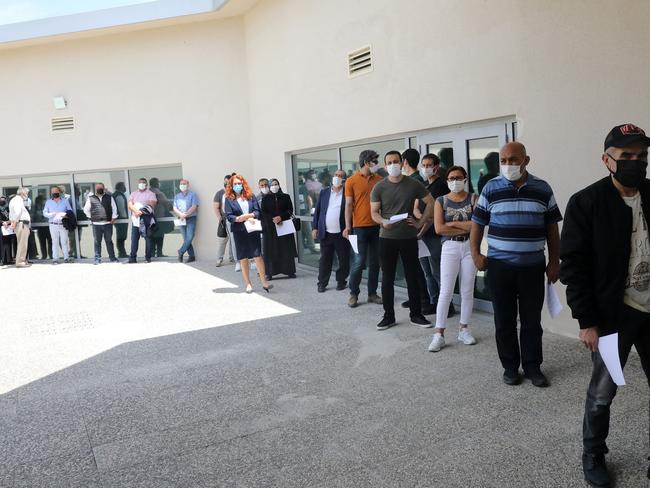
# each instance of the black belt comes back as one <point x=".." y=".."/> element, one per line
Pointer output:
<point x="56" y="223"/>
<point x="459" y="238"/>
<point x="26" y="222"/>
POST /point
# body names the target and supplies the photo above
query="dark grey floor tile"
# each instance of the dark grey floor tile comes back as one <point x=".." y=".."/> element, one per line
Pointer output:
<point x="68" y="472"/>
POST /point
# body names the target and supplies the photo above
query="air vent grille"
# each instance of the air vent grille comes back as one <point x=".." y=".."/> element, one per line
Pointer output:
<point x="62" y="124"/>
<point x="360" y="62"/>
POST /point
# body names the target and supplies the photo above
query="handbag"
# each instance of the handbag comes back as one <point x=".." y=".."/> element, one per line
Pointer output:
<point x="221" y="229"/>
<point x="296" y="222"/>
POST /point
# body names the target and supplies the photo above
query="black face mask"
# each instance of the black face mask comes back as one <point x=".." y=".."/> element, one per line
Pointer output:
<point x="99" y="191"/>
<point x="630" y="172"/>
<point x="56" y="195"/>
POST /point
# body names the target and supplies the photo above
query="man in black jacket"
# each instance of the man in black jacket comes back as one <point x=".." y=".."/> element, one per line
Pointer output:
<point x="605" y="254"/>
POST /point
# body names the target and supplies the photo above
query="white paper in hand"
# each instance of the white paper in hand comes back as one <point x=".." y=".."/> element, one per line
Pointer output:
<point x="285" y="228"/>
<point x="353" y="242"/>
<point x="396" y="218"/>
<point x="7" y="231"/>
<point x="553" y="301"/>
<point x="179" y="222"/>
<point x="254" y="226"/>
<point x="423" y="250"/>
<point x="608" y="349"/>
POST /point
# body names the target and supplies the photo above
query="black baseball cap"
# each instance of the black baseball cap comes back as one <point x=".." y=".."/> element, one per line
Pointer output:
<point x="624" y="135"/>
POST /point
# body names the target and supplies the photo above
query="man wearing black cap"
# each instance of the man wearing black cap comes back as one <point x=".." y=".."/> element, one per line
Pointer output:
<point x="605" y="254"/>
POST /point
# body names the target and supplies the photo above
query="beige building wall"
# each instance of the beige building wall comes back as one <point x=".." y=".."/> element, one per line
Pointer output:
<point x="171" y="95"/>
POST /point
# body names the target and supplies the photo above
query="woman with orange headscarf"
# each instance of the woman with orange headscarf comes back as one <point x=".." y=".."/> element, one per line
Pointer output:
<point x="243" y="212"/>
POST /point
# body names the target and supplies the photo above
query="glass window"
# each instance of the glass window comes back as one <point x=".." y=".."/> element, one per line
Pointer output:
<point x="9" y="186"/>
<point x="445" y="151"/>
<point x="413" y="142"/>
<point x="350" y="154"/>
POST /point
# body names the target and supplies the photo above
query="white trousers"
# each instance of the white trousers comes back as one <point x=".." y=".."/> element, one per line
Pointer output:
<point x="59" y="236"/>
<point x="456" y="262"/>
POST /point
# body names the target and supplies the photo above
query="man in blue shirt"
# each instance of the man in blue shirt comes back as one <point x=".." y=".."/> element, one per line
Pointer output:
<point x="186" y="203"/>
<point x="54" y="211"/>
<point x="522" y="216"/>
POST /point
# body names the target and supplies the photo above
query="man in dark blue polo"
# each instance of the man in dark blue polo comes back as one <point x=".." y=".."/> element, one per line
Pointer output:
<point x="522" y="215"/>
<point x="328" y="224"/>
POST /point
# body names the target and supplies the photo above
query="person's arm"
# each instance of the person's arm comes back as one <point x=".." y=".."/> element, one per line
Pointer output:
<point x="416" y="209"/>
<point x="176" y="211"/>
<point x="427" y="217"/>
<point x="316" y="216"/>
<point x="375" y="209"/>
<point x="349" y="203"/>
<point x="47" y="213"/>
<point x="229" y="212"/>
<point x="577" y="269"/>
<point x="286" y="215"/>
<point x="444" y="228"/>
<point x="216" y="206"/>
<point x="113" y="210"/>
<point x="86" y="208"/>
<point x="475" y="239"/>
<point x="256" y="208"/>
<point x="553" y="240"/>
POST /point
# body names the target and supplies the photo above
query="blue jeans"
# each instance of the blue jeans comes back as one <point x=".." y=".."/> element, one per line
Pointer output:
<point x="368" y="243"/>
<point x="187" y="232"/>
<point x="431" y="266"/>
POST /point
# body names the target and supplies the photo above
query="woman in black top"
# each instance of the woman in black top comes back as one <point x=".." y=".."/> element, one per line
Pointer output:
<point x="280" y="252"/>
<point x="7" y="243"/>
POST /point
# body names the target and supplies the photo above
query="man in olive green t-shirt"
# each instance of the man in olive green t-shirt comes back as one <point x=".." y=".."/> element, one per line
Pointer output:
<point x="394" y="197"/>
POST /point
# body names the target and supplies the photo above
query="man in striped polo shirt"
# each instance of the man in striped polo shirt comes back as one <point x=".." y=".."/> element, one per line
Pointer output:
<point x="522" y="216"/>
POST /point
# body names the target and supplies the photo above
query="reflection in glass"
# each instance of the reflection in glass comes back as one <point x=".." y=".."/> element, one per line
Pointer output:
<point x="445" y="151"/>
<point x="350" y="154"/>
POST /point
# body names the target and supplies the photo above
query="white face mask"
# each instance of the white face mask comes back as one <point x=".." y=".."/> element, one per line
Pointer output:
<point x="142" y="186"/>
<point x="183" y="187"/>
<point x="511" y="172"/>
<point x="373" y="168"/>
<point x="394" y="169"/>
<point x="337" y="181"/>
<point x="275" y="188"/>
<point x="426" y="173"/>
<point x="264" y="190"/>
<point x="456" y="186"/>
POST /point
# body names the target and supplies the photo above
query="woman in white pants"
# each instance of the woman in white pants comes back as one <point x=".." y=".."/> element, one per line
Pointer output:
<point x="452" y="220"/>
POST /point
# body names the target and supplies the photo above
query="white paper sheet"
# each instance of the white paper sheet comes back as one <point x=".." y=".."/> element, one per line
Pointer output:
<point x="254" y="226"/>
<point x="285" y="228"/>
<point x="353" y="242"/>
<point x="608" y="349"/>
<point x="7" y="231"/>
<point x="179" y="222"/>
<point x="553" y="301"/>
<point x="423" y="250"/>
<point x="396" y="218"/>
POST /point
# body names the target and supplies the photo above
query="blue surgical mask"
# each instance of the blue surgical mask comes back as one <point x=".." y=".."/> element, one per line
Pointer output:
<point x="238" y="188"/>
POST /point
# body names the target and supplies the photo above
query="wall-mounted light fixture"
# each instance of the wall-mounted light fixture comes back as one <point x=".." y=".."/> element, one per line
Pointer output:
<point x="59" y="103"/>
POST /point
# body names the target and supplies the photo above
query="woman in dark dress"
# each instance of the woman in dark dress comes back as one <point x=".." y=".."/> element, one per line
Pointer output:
<point x="7" y="243"/>
<point x="281" y="251"/>
<point x="241" y="209"/>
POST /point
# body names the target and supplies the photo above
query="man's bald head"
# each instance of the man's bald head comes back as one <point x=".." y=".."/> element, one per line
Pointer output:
<point x="514" y="153"/>
<point x="514" y="147"/>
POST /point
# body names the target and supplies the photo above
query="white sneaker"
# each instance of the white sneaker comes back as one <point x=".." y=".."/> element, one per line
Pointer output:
<point x="437" y="343"/>
<point x="465" y="336"/>
<point x="237" y="266"/>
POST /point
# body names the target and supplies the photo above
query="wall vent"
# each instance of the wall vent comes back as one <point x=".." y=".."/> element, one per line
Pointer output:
<point x="360" y="62"/>
<point x="62" y="124"/>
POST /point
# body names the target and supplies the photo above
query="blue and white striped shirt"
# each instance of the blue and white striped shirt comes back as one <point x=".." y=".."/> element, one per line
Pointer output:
<point x="517" y="219"/>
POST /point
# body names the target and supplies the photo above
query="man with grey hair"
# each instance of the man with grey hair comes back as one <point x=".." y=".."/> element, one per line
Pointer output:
<point x="20" y="223"/>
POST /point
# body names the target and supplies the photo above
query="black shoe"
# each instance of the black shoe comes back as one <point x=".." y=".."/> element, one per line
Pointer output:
<point x="406" y="304"/>
<point x="341" y="285"/>
<point x="292" y="275"/>
<point x="428" y="309"/>
<point x="115" y="260"/>
<point x="180" y="258"/>
<point x="321" y="289"/>
<point x="595" y="470"/>
<point x="420" y="321"/>
<point x="191" y="259"/>
<point x="386" y="323"/>
<point x="132" y="260"/>
<point x="148" y="260"/>
<point x="511" y="377"/>
<point x="537" y="378"/>
<point x="452" y="311"/>
<point x="269" y="277"/>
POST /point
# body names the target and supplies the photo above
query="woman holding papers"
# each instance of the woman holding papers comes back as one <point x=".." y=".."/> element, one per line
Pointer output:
<point x="452" y="217"/>
<point x="243" y="211"/>
<point x="279" y="232"/>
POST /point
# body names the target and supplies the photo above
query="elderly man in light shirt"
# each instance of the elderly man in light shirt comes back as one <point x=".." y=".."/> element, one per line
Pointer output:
<point x="20" y="223"/>
<point x="54" y="211"/>
<point x="138" y="199"/>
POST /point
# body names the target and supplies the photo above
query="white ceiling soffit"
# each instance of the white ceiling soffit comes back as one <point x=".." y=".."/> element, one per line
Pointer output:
<point x="102" y="19"/>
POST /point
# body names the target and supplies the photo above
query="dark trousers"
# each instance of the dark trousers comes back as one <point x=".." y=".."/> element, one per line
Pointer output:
<point x="104" y="232"/>
<point x="120" y="238"/>
<point x="330" y="244"/>
<point x="522" y="288"/>
<point x="389" y="251"/>
<point x="368" y="244"/>
<point x="45" y="241"/>
<point x="634" y="329"/>
<point x="135" y="241"/>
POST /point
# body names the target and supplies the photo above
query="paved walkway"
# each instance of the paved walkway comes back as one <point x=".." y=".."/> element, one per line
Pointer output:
<point x="165" y="383"/>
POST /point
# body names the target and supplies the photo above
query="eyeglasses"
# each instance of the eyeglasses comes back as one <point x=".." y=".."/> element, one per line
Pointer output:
<point x="456" y="178"/>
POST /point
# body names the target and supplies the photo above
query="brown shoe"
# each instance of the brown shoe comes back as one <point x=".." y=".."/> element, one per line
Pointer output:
<point x="353" y="301"/>
<point x="375" y="299"/>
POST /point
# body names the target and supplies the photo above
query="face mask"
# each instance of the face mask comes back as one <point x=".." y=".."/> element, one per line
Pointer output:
<point x="511" y="172"/>
<point x="275" y="188"/>
<point x="56" y="195"/>
<point x="373" y="168"/>
<point x="99" y="191"/>
<point x="238" y="187"/>
<point x="337" y="181"/>
<point x="183" y="187"/>
<point x="426" y="173"/>
<point x="394" y="169"/>
<point x="264" y="190"/>
<point x="630" y="172"/>
<point x="456" y="186"/>
<point x="142" y="186"/>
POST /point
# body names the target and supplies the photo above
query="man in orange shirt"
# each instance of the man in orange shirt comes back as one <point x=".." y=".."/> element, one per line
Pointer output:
<point x="358" y="221"/>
